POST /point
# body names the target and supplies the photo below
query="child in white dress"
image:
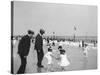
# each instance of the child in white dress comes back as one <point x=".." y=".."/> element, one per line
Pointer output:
<point x="48" y="55"/>
<point x="85" y="50"/>
<point x="64" y="59"/>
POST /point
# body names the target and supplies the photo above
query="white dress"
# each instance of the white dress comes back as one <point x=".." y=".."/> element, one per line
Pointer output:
<point x="86" y="51"/>
<point x="49" y="58"/>
<point x="64" y="60"/>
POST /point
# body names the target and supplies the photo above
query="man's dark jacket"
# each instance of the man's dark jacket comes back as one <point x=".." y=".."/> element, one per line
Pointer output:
<point x="38" y="42"/>
<point x="24" y="46"/>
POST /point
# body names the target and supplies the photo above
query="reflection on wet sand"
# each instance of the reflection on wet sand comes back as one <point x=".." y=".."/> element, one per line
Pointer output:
<point x="85" y="62"/>
<point x="39" y="70"/>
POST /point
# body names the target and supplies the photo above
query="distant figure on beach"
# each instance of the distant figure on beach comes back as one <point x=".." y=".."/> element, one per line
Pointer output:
<point x="64" y="62"/>
<point x="85" y="50"/>
<point x="82" y="43"/>
<point x="94" y="43"/>
<point x="23" y="50"/>
<point x="39" y="48"/>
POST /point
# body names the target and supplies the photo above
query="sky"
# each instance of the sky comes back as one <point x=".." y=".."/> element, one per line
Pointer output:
<point x="58" y="18"/>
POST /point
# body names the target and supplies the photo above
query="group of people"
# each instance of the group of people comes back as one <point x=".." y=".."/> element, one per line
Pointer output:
<point x="24" y="48"/>
<point x="60" y="55"/>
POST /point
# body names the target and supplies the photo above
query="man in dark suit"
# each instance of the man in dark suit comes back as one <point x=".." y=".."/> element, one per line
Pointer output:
<point x="23" y="50"/>
<point x="39" y="47"/>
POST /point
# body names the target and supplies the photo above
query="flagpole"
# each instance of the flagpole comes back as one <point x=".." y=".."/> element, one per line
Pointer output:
<point x="74" y="37"/>
<point x="74" y="33"/>
<point x="12" y="13"/>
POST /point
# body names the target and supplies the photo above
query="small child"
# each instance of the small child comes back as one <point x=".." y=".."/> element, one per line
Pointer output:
<point x="48" y="55"/>
<point x="64" y="59"/>
<point x="85" y="50"/>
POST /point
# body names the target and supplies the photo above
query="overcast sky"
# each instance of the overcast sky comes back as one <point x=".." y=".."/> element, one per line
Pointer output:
<point x="58" y="18"/>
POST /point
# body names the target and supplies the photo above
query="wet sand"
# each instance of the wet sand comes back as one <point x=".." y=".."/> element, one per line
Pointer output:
<point x="75" y="54"/>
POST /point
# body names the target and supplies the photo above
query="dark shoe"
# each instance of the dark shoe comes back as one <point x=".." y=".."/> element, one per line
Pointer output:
<point x="41" y="66"/>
